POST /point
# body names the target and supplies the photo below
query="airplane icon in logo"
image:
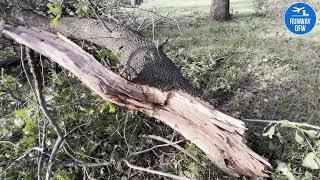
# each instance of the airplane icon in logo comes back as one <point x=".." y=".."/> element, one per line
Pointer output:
<point x="297" y="10"/>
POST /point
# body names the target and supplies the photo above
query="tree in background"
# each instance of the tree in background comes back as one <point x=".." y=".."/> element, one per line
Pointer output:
<point x="133" y="3"/>
<point x="219" y="10"/>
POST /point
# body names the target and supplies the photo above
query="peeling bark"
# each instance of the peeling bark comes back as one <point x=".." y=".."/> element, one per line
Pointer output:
<point x="218" y="135"/>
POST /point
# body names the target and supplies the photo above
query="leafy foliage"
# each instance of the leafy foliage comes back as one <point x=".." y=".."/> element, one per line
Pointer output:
<point x="55" y="11"/>
<point x="304" y="138"/>
<point x="83" y="8"/>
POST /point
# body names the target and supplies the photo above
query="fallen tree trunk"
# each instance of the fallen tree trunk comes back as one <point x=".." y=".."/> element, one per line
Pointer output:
<point x="218" y="135"/>
<point x="144" y="62"/>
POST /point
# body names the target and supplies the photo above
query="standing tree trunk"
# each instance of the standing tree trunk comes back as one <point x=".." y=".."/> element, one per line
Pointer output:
<point x="133" y="3"/>
<point x="219" y="10"/>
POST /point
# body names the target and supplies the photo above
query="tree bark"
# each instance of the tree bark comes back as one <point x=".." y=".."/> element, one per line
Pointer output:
<point x="218" y="135"/>
<point x="220" y="10"/>
<point x="144" y="62"/>
<point x="133" y="3"/>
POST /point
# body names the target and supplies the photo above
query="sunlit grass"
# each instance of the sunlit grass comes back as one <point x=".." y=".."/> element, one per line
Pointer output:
<point x="178" y="6"/>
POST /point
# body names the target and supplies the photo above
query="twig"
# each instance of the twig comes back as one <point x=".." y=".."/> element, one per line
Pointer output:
<point x="154" y="23"/>
<point x="8" y="142"/>
<point x="38" y="88"/>
<point x="83" y="164"/>
<point x="4" y="13"/>
<point x="98" y="17"/>
<point x="1" y="25"/>
<point x="154" y="147"/>
<point x="25" y="70"/>
<point x="42" y="132"/>
<point x="283" y="122"/>
<point x="175" y="146"/>
<point x="178" y="26"/>
<point x="154" y="12"/>
<point x="75" y="128"/>
<point x="20" y="158"/>
<point x="143" y="20"/>
<point x="77" y="153"/>
<point x="154" y="171"/>
<point x="43" y="146"/>
<point x="86" y="172"/>
<point x="124" y="134"/>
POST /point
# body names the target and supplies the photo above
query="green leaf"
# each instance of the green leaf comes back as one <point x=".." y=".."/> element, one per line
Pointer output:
<point x="21" y="113"/>
<point x="270" y="132"/>
<point x="105" y="53"/>
<point x="62" y="175"/>
<point x="55" y="10"/>
<point x="56" y="78"/>
<point x="30" y="127"/>
<point x="83" y="10"/>
<point x="285" y="170"/>
<point x="50" y="6"/>
<point x="112" y="108"/>
<point x="58" y="16"/>
<point x="58" y="7"/>
<point x="280" y="137"/>
<point x="311" y="161"/>
<point x="299" y="139"/>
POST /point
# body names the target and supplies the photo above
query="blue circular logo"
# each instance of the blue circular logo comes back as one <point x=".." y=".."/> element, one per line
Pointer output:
<point x="300" y="18"/>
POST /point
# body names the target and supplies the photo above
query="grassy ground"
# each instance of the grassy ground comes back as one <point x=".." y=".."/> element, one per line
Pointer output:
<point x="258" y="53"/>
<point x="252" y="67"/>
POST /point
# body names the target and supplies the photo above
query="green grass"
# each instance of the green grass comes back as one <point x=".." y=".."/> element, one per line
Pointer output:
<point x="191" y="7"/>
<point x="237" y="7"/>
<point x="261" y="51"/>
<point x="240" y="5"/>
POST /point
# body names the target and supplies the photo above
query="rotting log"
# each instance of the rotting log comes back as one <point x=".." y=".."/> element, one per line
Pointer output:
<point x="218" y="135"/>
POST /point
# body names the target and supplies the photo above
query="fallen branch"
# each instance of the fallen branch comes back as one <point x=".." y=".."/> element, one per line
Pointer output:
<point x="283" y="122"/>
<point x="38" y="91"/>
<point x="218" y="135"/>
